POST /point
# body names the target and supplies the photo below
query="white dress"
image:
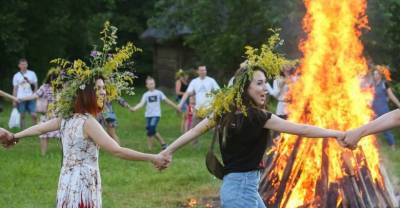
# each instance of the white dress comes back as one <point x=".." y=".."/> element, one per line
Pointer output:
<point x="79" y="184"/>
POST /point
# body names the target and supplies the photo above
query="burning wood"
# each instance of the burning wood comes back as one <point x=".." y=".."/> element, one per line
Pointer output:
<point x="204" y="202"/>
<point x="314" y="173"/>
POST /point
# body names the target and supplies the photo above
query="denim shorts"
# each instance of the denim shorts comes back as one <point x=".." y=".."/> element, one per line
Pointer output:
<point x="151" y="125"/>
<point x="240" y="190"/>
<point x="27" y="106"/>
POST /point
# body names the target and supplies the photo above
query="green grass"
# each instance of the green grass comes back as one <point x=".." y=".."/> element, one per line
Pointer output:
<point x="29" y="180"/>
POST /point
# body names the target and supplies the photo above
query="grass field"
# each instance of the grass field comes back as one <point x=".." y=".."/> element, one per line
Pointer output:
<point x="30" y="180"/>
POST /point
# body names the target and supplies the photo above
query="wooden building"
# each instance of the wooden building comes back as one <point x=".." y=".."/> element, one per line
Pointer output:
<point x="169" y="54"/>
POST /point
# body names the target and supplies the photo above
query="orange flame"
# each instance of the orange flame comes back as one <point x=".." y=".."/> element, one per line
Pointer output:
<point x="192" y="202"/>
<point x="327" y="93"/>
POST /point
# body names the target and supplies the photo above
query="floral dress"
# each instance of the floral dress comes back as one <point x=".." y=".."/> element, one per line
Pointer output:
<point x="45" y="92"/>
<point x="79" y="184"/>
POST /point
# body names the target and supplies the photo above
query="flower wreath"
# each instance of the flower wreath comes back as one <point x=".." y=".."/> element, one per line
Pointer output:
<point x="77" y="75"/>
<point x="264" y="58"/>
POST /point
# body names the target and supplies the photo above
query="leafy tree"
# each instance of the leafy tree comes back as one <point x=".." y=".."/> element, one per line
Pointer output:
<point x="45" y="29"/>
<point x="220" y="29"/>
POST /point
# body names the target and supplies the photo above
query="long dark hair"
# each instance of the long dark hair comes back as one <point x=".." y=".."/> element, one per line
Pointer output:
<point x="230" y="119"/>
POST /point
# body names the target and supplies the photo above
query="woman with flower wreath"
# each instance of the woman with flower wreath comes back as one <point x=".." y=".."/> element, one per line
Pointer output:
<point x="46" y="94"/>
<point x="108" y="118"/>
<point x="77" y="105"/>
<point x="239" y="115"/>
<point x="246" y="129"/>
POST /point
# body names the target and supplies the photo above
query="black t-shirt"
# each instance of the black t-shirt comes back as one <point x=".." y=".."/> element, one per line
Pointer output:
<point x="183" y="89"/>
<point x="245" y="142"/>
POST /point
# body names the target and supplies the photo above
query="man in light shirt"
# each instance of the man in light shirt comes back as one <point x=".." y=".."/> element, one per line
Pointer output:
<point x="200" y="87"/>
<point x="25" y="84"/>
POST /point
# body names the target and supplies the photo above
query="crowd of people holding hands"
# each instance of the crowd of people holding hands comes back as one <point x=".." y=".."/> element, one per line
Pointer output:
<point x="92" y="125"/>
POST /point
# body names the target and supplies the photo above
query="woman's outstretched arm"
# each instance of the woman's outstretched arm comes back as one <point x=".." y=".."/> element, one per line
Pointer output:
<point x="96" y="132"/>
<point x="189" y="136"/>
<point x="51" y="125"/>
<point x="382" y="123"/>
<point x="277" y="124"/>
<point x="6" y="95"/>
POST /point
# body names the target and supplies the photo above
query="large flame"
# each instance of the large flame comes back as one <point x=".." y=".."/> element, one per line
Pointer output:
<point x="328" y="94"/>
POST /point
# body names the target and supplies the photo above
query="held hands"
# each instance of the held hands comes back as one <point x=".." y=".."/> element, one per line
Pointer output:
<point x="350" y="139"/>
<point x="16" y="100"/>
<point x="168" y="156"/>
<point x="162" y="160"/>
<point x="7" y="138"/>
<point x="339" y="137"/>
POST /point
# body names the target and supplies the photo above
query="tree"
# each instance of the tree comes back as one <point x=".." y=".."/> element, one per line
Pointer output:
<point x="220" y="29"/>
<point x="47" y="29"/>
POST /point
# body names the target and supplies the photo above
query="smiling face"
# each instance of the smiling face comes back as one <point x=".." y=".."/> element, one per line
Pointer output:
<point x="100" y="92"/>
<point x="257" y="88"/>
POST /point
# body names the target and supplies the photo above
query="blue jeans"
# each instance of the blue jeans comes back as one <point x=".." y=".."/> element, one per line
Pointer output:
<point x="151" y="125"/>
<point x="240" y="190"/>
